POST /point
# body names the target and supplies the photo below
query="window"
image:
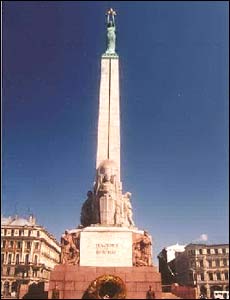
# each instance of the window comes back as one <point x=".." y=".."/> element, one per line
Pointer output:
<point x="8" y="271"/>
<point x="29" y="233"/>
<point x="35" y="273"/>
<point x="21" y="232"/>
<point x="35" y="259"/>
<point x="201" y="264"/>
<point x="36" y="245"/>
<point x="28" y="244"/>
<point x="2" y="258"/>
<point x="38" y="234"/>
<point x="9" y="258"/>
<point x="210" y="276"/>
<point x="226" y="275"/>
<point x="208" y="251"/>
<point x="202" y="276"/>
<point x="11" y="244"/>
<point x="209" y="263"/>
<point x="217" y="262"/>
<point x="224" y="251"/>
<point x="27" y="259"/>
<point x="200" y="251"/>
<point x="216" y="251"/>
<point x="17" y="259"/>
<point x="19" y="245"/>
<point x="218" y="277"/>
<point x="4" y="244"/>
<point x="12" y="232"/>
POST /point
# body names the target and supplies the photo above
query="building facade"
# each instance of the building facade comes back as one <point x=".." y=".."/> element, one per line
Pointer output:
<point x="203" y="266"/>
<point x="167" y="265"/>
<point x="28" y="254"/>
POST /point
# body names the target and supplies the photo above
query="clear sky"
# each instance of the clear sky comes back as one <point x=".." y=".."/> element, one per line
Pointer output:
<point x="174" y="113"/>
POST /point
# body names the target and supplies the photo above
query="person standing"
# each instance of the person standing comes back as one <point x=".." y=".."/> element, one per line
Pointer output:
<point x="150" y="293"/>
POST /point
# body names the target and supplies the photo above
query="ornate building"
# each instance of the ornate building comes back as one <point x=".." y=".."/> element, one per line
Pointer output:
<point x="28" y="253"/>
<point x="203" y="266"/>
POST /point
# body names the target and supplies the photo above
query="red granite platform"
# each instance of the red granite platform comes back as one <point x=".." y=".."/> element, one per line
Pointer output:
<point x="72" y="281"/>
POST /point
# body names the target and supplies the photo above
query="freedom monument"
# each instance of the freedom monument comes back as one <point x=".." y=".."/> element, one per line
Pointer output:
<point x="107" y="256"/>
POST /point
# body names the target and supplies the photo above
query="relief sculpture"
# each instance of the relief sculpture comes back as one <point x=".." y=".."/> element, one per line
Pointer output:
<point x="142" y="250"/>
<point x="70" y="248"/>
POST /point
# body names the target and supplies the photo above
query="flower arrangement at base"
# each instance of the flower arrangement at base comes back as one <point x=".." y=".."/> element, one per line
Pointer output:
<point x="106" y="287"/>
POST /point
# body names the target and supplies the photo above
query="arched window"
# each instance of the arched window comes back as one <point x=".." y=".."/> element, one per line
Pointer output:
<point x="27" y="259"/>
<point x="35" y="259"/>
<point x="6" y="288"/>
<point x="2" y="258"/>
<point x="14" y="286"/>
<point x="17" y="259"/>
<point x="10" y="259"/>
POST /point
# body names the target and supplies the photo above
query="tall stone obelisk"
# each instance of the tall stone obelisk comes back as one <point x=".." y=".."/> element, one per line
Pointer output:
<point x="108" y="146"/>
<point x="106" y="205"/>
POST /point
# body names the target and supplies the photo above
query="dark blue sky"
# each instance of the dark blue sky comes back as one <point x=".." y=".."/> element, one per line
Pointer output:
<point x="174" y="112"/>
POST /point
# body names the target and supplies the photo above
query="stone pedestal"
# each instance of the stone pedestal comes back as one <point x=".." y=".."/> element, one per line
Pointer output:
<point x="108" y="262"/>
<point x="73" y="281"/>
<point x="102" y="246"/>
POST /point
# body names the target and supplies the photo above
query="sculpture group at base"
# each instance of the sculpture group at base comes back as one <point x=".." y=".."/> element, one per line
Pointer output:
<point x="106" y="204"/>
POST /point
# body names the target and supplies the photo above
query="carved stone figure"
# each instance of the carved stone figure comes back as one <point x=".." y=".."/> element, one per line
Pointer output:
<point x="70" y="254"/>
<point x="87" y="211"/>
<point x="106" y="191"/>
<point x="128" y="212"/>
<point x="146" y="246"/>
<point x="139" y="259"/>
<point x="118" y="216"/>
<point x="142" y="250"/>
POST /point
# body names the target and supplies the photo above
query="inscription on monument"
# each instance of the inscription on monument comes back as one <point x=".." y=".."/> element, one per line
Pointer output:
<point x="106" y="249"/>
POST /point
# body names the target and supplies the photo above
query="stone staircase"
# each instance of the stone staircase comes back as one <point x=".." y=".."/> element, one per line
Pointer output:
<point x="169" y="296"/>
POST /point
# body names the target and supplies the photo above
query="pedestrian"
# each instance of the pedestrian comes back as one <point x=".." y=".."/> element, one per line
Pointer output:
<point x="150" y="294"/>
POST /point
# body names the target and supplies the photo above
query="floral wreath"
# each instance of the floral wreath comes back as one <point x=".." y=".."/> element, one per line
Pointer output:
<point x="97" y="287"/>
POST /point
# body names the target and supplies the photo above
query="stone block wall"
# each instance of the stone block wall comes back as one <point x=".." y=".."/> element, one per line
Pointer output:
<point x="72" y="281"/>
